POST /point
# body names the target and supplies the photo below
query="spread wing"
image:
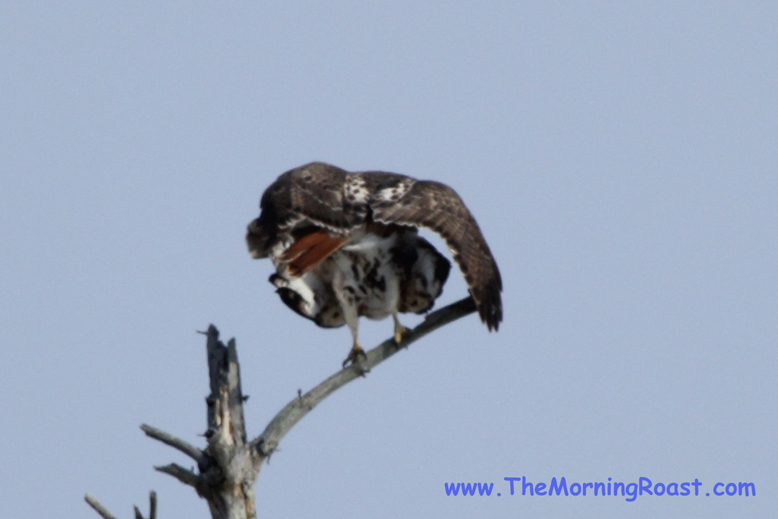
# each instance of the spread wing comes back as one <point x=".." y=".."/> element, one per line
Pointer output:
<point x="437" y="207"/>
<point x="321" y="196"/>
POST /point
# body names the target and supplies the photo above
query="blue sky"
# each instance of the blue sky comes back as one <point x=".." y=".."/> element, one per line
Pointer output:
<point x="620" y="158"/>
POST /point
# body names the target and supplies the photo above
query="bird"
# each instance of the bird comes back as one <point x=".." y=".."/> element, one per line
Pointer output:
<point x="346" y="245"/>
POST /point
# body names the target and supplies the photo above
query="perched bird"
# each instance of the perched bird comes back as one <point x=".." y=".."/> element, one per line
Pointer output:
<point x="346" y="245"/>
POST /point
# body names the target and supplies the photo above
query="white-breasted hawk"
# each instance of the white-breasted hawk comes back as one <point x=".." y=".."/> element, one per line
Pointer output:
<point x="346" y="245"/>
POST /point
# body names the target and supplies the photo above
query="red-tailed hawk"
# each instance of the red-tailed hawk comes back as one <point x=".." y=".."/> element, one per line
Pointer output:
<point x="346" y="245"/>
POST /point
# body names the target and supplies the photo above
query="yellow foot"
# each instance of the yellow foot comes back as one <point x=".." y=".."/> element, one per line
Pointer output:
<point x="398" y="333"/>
<point x="399" y="330"/>
<point x="355" y="355"/>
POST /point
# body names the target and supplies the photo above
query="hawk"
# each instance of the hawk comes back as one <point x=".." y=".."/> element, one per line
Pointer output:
<point x="346" y="245"/>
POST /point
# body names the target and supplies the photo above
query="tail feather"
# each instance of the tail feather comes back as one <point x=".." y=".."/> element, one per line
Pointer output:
<point x="309" y="251"/>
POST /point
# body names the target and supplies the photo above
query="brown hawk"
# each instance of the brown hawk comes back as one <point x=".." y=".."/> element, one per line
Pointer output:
<point x="346" y="245"/>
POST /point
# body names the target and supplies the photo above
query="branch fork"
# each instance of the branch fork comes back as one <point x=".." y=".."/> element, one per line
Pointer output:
<point x="227" y="469"/>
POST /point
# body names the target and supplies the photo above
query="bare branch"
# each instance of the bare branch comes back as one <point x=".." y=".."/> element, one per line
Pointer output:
<point x="185" y="476"/>
<point x="295" y="410"/>
<point x="175" y="442"/>
<point x="153" y="505"/>
<point x="100" y="509"/>
<point x="229" y="466"/>
<point x="226" y="399"/>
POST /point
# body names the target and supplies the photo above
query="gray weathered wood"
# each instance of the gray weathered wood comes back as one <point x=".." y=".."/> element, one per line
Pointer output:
<point x="175" y="442"/>
<point x="227" y="469"/>
<point x="100" y="509"/>
<point x="105" y="514"/>
<point x="295" y="410"/>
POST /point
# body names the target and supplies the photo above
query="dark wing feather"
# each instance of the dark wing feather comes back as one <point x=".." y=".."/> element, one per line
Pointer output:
<point x="312" y="193"/>
<point x="316" y="194"/>
<point x="438" y="207"/>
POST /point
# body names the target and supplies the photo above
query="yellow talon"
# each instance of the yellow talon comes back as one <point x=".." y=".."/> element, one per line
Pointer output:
<point x="399" y="329"/>
<point x="355" y="354"/>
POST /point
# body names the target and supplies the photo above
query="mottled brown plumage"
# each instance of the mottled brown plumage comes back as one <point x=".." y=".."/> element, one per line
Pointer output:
<point x="318" y="211"/>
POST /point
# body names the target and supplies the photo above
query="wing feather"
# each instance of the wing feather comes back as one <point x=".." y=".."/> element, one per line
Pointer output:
<point x="309" y="251"/>
<point x="437" y="207"/>
<point x="311" y="194"/>
<point x="338" y="202"/>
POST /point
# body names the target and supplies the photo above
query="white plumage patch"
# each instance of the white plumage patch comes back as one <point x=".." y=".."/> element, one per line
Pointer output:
<point x="394" y="193"/>
<point x="356" y="190"/>
<point x="370" y="275"/>
<point x="373" y="275"/>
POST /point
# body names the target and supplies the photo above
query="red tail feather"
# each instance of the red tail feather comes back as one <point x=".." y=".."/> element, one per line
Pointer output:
<point x="310" y="250"/>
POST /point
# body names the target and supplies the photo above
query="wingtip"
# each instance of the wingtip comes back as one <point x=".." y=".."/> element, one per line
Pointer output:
<point x="490" y="311"/>
<point x="493" y="321"/>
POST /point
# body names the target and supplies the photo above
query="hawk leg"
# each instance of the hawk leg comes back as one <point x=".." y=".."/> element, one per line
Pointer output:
<point x="345" y="294"/>
<point x="356" y="355"/>
<point x="399" y="329"/>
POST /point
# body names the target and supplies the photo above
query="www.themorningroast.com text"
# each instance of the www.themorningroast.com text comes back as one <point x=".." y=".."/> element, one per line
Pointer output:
<point x="643" y="487"/>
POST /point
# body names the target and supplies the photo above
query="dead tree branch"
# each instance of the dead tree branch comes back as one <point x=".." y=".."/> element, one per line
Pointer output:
<point x="105" y="514"/>
<point x="177" y="443"/>
<point x="100" y="509"/>
<point x="229" y="466"/>
<point x="268" y="441"/>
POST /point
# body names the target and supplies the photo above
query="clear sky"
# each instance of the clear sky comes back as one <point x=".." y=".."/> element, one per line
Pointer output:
<point x="620" y="157"/>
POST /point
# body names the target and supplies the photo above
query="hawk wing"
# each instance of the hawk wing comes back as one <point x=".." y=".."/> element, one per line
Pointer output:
<point x="437" y="207"/>
<point x="325" y="196"/>
<point x="312" y="194"/>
